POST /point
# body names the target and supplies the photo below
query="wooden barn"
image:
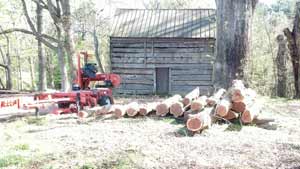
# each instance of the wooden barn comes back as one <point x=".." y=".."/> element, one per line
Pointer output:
<point x="163" y="51"/>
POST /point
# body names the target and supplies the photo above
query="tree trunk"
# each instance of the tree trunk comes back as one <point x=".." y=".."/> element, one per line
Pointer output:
<point x="147" y="108"/>
<point x="42" y="61"/>
<point x="281" y="67"/>
<point x="234" y="18"/>
<point x="50" y="71"/>
<point x="32" y="74"/>
<point x="293" y="39"/>
<point x="8" y="64"/>
<point x="20" y="79"/>
<point x="68" y="38"/>
<point x="65" y="81"/>
<point x="96" y="48"/>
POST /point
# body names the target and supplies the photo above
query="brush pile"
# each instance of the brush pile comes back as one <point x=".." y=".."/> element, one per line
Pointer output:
<point x="197" y="111"/>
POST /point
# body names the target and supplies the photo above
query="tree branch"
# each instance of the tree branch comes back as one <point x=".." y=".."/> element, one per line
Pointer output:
<point x="4" y="66"/>
<point x="42" y="3"/>
<point x="28" y="32"/>
<point x="27" y="17"/>
<point x="53" y="11"/>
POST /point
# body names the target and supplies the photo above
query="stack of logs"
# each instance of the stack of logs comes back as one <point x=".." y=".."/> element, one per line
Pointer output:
<point x="198" y="112"/>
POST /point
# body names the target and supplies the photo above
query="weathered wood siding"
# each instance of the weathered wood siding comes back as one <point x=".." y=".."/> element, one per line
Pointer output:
<point x="189" y="61"/>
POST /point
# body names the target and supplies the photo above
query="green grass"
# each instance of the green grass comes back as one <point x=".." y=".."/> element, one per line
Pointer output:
<point x="21" y="147"/>
<point x="126" y="160"/>
<point x="12" y="160"/>
<point x="37" y="121"/>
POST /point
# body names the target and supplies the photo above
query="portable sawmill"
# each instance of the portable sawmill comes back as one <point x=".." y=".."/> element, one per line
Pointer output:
<point x="83" y="94"/>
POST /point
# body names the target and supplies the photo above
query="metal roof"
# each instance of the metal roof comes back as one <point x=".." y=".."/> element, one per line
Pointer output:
<point x="185" y="23"/>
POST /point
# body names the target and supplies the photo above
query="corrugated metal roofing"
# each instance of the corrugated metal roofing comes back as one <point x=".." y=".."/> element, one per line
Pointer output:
<point x="186" y="23"/>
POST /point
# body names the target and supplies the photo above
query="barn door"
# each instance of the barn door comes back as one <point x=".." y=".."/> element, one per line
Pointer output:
<point x="162" y="81"/>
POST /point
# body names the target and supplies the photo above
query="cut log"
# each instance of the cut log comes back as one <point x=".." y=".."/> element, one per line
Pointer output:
<point x="119" y="110"/>
<point x="239" y="107"/>
<point x="262" y="120"/>
<point x="177" y="109"/>
<point x="213" y="100"/>
<point x="132" y="109"/>
<point x="83" y="114"/>
<point x="223" y="107"/>
<point x="237" y="91"/>
<point x="199" y="103"/>
<point x="231" y="115"/>
<point x="194" y="94"/>
<point x="199" y="121"/>
<point x="250" y="113"/>
<point x="162" y="108"/>
<point x="147" y="108"/>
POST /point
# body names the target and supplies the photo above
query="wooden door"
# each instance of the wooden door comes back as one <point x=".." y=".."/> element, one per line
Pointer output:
<point x="162" y="81"/>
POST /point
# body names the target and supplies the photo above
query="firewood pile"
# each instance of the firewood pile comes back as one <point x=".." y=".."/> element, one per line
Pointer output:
<point x="197" y="111"/>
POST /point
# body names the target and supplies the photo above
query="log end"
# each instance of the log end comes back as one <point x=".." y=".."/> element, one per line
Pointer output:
<point x="143" y="111"/>
<point x="246" y="117"/>
<point x="118" y="113"/>
<point x="83" y="114"/>
<point x="194" y="124"/>
<point x="161" y="109"/>
<point x="186" y="101"/>
<point x="196" y="106"/>
<point x="238" y="107"/>
<point x="131" y="112"/>
<point x="221" y="110"/>
<point x="176" y="109"/>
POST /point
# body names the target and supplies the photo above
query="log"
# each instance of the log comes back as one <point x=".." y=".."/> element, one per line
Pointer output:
<point x="199" y="121"/>
<point x="162" y="108"/>
<point x="191" y="96"/>
<point x="119" y="110"/>
<point x="177" y="109"/>
<point x="145" y="109"/>
<point x="223" y="107"/>
<point x="250" y="113"/>
<point x="83" y="114"/>
<point x="132" y="109"/>
<point x="239" y="107"/>
<point x="199" y="103"/>
<point x="231" y="115"/>
<point x="237" y="91"/>
<point x="262" y="120"/>
<point x="213" y="100"/>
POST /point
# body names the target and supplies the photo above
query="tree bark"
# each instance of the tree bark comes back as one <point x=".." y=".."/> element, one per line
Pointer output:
<point x="68" y="38"/>
<point x="234" y="18"/>
<point x="32" y="74"/>
<point x="293" y="39"/>
<point x="96" y="48"/>
<point x="42" y="60"/>
<point x="281" y="61"/>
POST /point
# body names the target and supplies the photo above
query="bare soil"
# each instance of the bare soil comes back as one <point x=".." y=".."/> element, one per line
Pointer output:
<point x="152" y="142"/>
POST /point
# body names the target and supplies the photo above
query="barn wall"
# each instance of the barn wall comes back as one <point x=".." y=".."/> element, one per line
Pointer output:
<point x="189" y="62"/>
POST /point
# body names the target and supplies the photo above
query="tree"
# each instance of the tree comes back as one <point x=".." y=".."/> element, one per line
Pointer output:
<point x="281" y="61"/>
<point x="234" y="18"/>
<point x="42" y="60"/>
<point x="293" y="38"/>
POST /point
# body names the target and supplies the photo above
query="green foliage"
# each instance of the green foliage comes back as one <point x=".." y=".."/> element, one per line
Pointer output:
<point x="10" y="160"/>
<point x="21" y="147"/>
<point x="37" y="121"/>
<point x="268" y="22"/>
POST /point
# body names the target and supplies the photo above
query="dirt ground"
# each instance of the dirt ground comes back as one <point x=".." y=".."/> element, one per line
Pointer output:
<point x="54" y="142"/>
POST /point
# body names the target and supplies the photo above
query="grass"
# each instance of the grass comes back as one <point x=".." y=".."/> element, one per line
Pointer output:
<point x="126" y="160"/>
<point x="21" y="147"/>
<point x="12" y="160"/>
<point x="36" y="120"/>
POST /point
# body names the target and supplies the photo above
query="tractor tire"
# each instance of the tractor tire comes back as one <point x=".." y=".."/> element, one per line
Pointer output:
<point x="104" y="100"/>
